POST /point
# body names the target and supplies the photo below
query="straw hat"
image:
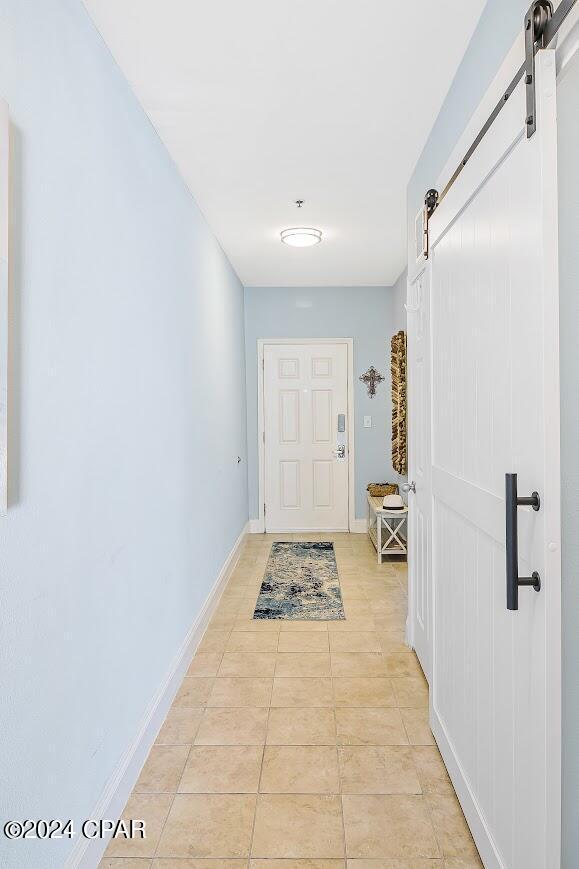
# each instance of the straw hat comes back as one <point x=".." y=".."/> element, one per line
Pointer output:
<point x="393" y="502"/>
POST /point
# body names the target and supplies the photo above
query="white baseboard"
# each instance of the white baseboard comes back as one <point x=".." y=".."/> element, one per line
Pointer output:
<point x="357" y="526"/>
<point x="87" y="853"/>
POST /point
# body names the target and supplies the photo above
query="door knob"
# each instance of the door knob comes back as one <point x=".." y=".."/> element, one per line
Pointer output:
<point x="408" y="487"/>
<point x="340" y="451"/>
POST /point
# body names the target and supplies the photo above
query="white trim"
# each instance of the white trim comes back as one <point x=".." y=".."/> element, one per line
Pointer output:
<point x="414" y="271"/>
<point x="358" y="526"/>
<point x="547" y="104"/>
<point x="418" y="329"/>
<point x="261" y="344"/>
<point x="329" y="531"/>
<point x="87" y="853"/>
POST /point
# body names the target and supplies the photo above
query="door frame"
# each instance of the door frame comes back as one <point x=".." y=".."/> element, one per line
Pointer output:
<point x="414" y="304"/>
<point x="259" y="526"/>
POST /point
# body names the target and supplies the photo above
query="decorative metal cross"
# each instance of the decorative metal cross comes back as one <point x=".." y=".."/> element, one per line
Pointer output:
<point x="371" y="378"/>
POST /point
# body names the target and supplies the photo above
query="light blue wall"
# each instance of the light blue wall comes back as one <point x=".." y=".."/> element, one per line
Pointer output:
<point x="127" y="415"/>
<point x="568" y="130"/>
<point x="497" y="30"/>
<point x="365" y="314"/>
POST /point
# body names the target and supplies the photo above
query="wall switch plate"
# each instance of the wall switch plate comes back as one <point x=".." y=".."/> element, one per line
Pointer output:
<point x="367" y="422"/>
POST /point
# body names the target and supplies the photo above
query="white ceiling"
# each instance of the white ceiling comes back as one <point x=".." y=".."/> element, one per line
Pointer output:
<point x="262" y="102"/>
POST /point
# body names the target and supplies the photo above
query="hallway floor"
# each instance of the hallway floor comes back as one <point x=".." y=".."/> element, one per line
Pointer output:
<point x="306" y="742"/>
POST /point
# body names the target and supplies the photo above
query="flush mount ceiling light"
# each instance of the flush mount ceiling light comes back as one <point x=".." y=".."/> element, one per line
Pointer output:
<point x="301" y="236"/>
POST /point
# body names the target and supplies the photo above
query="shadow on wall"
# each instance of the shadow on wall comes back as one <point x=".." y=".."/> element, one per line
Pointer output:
<point x="14" y="316"/>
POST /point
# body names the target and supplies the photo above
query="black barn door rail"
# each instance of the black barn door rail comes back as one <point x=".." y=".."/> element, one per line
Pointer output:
<point x="541" y="26"/>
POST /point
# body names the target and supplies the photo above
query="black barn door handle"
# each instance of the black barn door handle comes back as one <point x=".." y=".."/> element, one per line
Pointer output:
<point x="512" y="501"/>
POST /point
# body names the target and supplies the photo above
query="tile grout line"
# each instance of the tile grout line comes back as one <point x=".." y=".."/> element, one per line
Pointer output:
<point x="163" y="827"/>
<point x="340" y="786"/>
<point x="242" y="604"/>
<point x="250" y="850"/>
<point x="250" y="854"/>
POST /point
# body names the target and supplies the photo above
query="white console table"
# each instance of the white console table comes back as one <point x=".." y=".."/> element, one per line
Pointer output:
<point x="387" y="529"/>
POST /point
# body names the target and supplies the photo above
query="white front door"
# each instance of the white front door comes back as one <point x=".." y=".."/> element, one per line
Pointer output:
<point x="419" y="587"/>
<point x="495" y="690"/>
<point x="305" y="403"/>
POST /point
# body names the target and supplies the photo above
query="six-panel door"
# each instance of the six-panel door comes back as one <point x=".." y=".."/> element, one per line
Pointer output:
<point x="305" y="391"/>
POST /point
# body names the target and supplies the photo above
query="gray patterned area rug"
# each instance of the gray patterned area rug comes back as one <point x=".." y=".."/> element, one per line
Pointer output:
<point x="301" y="582"/>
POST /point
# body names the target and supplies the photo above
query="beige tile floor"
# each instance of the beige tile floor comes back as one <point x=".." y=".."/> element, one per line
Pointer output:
<point x="300" y="745"/>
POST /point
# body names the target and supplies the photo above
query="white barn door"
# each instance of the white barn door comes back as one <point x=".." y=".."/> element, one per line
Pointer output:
<point x="305" y="403"/>
<point x="495" y="698"/>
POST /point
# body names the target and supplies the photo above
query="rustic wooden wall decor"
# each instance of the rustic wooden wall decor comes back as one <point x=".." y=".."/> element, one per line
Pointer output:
<point x="398" y="371"/>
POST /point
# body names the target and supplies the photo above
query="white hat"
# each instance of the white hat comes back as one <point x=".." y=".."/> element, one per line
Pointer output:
<point x="393" y="502"/>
